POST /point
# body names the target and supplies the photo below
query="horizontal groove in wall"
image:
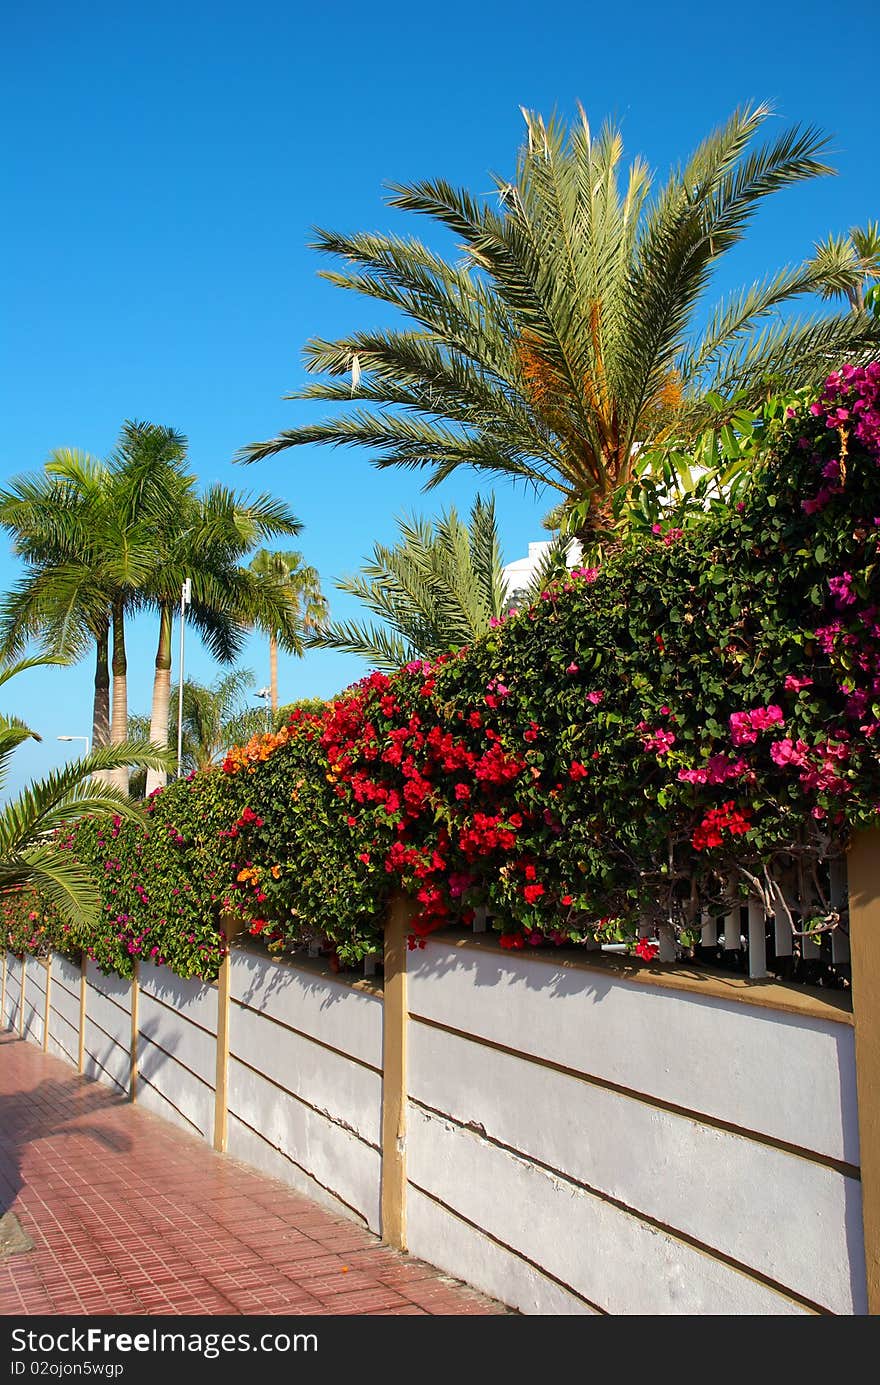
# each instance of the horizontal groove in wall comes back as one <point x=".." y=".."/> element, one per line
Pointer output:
<point x="98" y="1063"/>
<point x="102" y="1030"/>
<point x="54" y="1039"/>
<point x="181" y="1014"/>
<point x="711" y="1252"/>
<point x="302" y="1168"/>
<point x="173" y="1058"/>
<point x="70" y="1024"/>
<point x="174" y="1107"/>
<point x="715" y="1122"/>
<point x="334" y="1120"/>
<point x="60" y="986"/>
<point x="502" y="1245"/>
<point x="104" y="996"/>
<point x="291" y="1029"/>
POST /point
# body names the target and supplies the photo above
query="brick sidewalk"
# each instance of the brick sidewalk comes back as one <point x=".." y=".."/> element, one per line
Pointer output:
<point x="127" y="1214"/>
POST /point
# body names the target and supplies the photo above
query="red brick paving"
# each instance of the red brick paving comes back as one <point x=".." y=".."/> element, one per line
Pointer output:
<point x="128" y="1214"/>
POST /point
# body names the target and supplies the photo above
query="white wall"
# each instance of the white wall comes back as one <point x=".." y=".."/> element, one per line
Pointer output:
<point x="567" y="1152"/>
<point x="576" y="1144"/>
<point x="305" y="1084"/>
<point x="177" y="1048"/>
<point x="64" y="1009"/>
<point x="107" y="1042"/>
<point x="12" y="994"/>
<point x="35" y="1000"/>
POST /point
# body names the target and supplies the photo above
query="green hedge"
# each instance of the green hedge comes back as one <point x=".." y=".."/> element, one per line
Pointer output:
<point x="704" y="705"/>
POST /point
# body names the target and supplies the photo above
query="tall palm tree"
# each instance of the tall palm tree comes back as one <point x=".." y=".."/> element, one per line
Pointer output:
<point x="302" y="585"/>
<point x="148" y="486"/>
<point x="65" y="593"/>
<point x="29" y="854"/>
<point x="565" y="334"/>
<point x="439" y="587"/>
<point x="103" y="540"/>
<point x="850" y="264"/>
<point x="207" y="541"/>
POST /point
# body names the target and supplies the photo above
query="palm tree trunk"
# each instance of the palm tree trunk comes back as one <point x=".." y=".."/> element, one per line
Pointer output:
<point x="273" y="672"/>
<point x="119" y="721"/>
<point x="101" y="703"/>
<point x="156" y="779"/>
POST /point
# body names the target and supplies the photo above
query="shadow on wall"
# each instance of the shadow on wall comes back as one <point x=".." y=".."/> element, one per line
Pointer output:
<point x="270" y="975"/>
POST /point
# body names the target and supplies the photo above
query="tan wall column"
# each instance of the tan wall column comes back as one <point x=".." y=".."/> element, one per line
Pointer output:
<point x="81" y="1056"/>
<point x="133" y="1053"/>
<point x="47" y="963"/>
<point x="230" y="926"/>
<point x="395" y="1016"/>
<point x="863" y="869"/>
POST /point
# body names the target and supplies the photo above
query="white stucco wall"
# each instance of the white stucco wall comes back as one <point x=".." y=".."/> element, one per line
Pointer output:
<point x="569" y="1155"/>
<point x="305" y="1092"/>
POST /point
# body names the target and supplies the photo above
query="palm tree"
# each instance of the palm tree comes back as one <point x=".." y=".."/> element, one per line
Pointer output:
<point x="567" y="337"/>
<point x="302" y="585"/>
<point x="102" y="540"/>
<point x="207" y="541"/>
<point x="88" y="532"/>
<point x="148" y="487"/>
<point x="216" y="718"/>
<point x="438" y="588"/>
<point x="849" y="265"/>
<point x="64" y="595"/>
<point x="30" y="857"/>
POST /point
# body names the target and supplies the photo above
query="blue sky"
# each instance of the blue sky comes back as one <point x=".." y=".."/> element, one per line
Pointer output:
<point x="164" y="165"/>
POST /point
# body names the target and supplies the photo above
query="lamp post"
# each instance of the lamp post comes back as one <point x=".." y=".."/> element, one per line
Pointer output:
<point x="77" y="738"/>
<point x="185" y="597"/>
<point x="265" y="694"/>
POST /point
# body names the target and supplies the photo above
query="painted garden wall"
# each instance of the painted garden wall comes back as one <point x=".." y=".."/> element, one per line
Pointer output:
<point x="579" y="1137"/>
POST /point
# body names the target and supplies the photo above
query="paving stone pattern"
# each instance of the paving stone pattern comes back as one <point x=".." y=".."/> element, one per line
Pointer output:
<point x="128" y="1214"/>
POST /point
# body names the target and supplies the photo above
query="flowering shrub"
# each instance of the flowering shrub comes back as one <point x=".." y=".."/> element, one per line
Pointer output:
<point x="699" y="716"/>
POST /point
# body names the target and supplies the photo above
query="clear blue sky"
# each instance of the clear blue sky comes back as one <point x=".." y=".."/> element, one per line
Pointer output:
<point x="163" y="166"/>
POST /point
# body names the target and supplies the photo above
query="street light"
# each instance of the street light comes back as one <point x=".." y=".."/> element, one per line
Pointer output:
<point x="265" y="694"/>
<point x="185" y="596"/>
<point x="77" y="738"/>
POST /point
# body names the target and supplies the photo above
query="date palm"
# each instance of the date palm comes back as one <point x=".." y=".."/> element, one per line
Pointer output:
<point x="308" y="609"/>
<point x="565" y="333"/>
<point x="30" y="856"/>
<point x="850" y="265"/>
<point x="436" y="589"/>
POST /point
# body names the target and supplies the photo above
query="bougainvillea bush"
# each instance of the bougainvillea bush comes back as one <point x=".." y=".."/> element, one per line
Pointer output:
<point x="697" y="719"/>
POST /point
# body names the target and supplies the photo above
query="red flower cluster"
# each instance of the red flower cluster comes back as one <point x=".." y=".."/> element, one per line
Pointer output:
<point x="717" y="821"/>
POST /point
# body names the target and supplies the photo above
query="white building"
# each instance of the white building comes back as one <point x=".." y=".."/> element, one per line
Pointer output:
<point x="519" y="574"/>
